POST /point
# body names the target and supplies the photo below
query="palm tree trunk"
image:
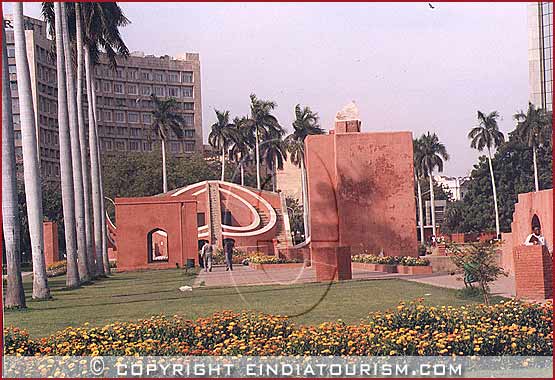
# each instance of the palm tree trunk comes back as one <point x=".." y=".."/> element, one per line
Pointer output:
<point x="257" y="162"/>
<point x="497" y="230"/>
<point x="305" y="200"/>
<point x="536" y="182"/>
<point x="84" y="145"/>
<point x="83" y="270"/>
<point x="432" y="205"/>
<point x="420" y="210"/>
<point x="95" y="168"/>
<point x="66" y="165"/>
<point x="15" y="295"/>
<point x="31" y="169"/>
<point x="223" y="163"/>
<point x="242" y="174"/>
<point x="164" y="178"/>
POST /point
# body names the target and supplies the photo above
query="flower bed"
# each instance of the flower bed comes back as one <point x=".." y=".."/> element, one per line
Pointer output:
<point x="259" y="261"/>
<point x="510" y="328"/>
<point x="414" y="265"/>
<point x="392" y="264"/>
<point x="57" y="268"/>
<point x="218" y="257"/>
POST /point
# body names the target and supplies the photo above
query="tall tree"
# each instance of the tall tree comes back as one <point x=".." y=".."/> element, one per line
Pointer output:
<point x="274" y="152"/>
<point x="242" y="146"/>
<point x="166" y="118"/>
<point x="534" y="127"/>
<point x="222" y="135"/>
<point x="31" y="169"/>
<point x="77" y="167"/>
<point x="85" y="165"/>
<point x="15" y="295"/>
<point x="66" y="165"/>
<point x="305" y="124"/>
<point x="261" y="123"/>
<point x="417" y="157"/>
<point x="487" y="135"/>
<point x="433" y="154"/>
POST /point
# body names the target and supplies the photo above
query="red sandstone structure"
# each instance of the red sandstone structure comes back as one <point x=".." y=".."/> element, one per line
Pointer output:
<point x="165" y="231"/>
<point x="531" y="265"/>
<point x="51" y="249"/>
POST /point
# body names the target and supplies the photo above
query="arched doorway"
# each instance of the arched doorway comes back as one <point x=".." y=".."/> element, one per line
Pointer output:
<point x="157" y="246"/>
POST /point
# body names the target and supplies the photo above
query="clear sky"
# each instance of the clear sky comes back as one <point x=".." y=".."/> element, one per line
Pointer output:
<point x="407" y="66"/>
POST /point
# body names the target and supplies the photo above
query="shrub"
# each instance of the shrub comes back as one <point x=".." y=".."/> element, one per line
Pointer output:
<point x="261" y="258"/>
<point x="510" y="328"/>
<point x="218" y="257"/>
<point x="413" y="261"/>
<point x="57" y="268"/>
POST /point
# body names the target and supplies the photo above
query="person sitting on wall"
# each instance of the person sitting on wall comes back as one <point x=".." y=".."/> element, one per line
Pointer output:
<point x="536" y="237"/>
<point x="206" y="254"/>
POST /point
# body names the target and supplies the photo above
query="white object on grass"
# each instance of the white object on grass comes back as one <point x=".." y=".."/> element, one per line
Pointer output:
<point x="186" y="288"/>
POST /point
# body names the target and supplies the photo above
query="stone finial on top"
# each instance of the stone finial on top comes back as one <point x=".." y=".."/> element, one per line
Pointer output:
<point x="347" y="113"/>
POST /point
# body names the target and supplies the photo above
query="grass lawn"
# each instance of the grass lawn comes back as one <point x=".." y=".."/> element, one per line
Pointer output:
<point x="136" y="295"/>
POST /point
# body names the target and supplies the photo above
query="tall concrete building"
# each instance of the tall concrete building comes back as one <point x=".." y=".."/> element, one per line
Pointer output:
<point x="540" y="54"/>
<point x="124" y="107"/>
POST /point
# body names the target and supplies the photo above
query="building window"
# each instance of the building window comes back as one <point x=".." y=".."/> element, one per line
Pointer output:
<point x="119" y="116"/>
<point x="187" y="77"/>
<point x="146" y="90"/>
<point x="17" y="135"/>
<point x="11" y="52"/>
<point x="175" y="147"/>
<point x="158" y="76"/>
<point x="147" y="118"/>
<point x="135" y="132"/>
<point x="158" y="91"/>
<point x="107" y="116"/>
<point x="145" y="75"/>
<point x="118" y="88"/>
<point x="189" y="120"/>
<point x="173" y="77"/>
<point x="119" y="73"/>
<point x="120" y="145"/>
<point x="133" y="117"/>
<point x="147" y="146"/>
<point x="107" y="144"/>
<point x="189" y="133"/>
<point x="132" y="89"/>
<point x="11" y="69"/>
<point x="173" y="92"/>
<point x="187" y="91"/>
<point x="107" y="87"/>
<point x="134" y="146"/>
<point x="121" y="131"/>
<point x="188" y="106"/>
<point x="132" y="74"/>
<point x="189" y="146"/>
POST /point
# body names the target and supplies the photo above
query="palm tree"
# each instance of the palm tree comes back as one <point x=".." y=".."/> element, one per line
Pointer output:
<point x="66" y="165"/>
<point x="15" y="295"/>
<point x="306" y="123"/>
<point x="261" y="123"/>
<point x="77" y="165"/>
<point x="31" y="169"/>
<point x="242" y="146"/>
<point x="274" y="152"/>
<point x="534" y="127"/>
<point x="222" y="135"/>
<point x="417" y="157"/>
<point x="433" y="154"/>
<point x="487" y="135"/>
<point x="165" y="118"/>
<point x="83" y="142"/>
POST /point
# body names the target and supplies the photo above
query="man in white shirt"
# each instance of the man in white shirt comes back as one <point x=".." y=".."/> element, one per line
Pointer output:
<point x="536" y="237"/>
<point x="206" y="255"/>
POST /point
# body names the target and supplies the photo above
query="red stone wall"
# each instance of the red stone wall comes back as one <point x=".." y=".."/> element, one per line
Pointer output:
<point x="51" y="250"/>
<point x="136" y="217"/>
<point x="539" y="203"/>
<point x="361" y="191"/>
<point x="533" y="272"/>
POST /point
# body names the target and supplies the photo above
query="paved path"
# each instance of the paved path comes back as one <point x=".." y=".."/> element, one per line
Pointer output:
<point x="243" y="275"/>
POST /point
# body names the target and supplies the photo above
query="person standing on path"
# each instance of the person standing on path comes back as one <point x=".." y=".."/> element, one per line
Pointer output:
<point x="206" y="254"/>
<point x="228" y="251"/>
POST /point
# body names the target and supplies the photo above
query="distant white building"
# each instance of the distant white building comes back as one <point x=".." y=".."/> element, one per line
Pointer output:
<point x="455" y="185"/>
